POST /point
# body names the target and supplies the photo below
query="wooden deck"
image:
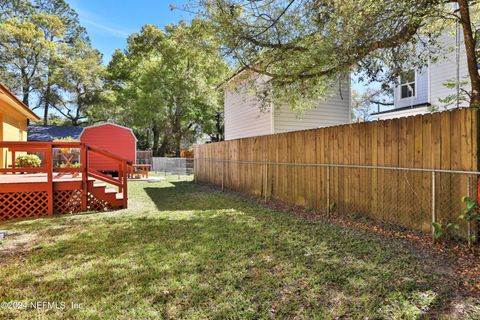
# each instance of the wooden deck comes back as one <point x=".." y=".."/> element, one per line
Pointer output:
<point x="51" y="188"/>
<point x="38" y="178"/>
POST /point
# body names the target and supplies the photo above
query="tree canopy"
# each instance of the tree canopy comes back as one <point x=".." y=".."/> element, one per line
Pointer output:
<point x="166" y="83"/>
<point x="39" y="41"/>
<point x="302" y="45"/>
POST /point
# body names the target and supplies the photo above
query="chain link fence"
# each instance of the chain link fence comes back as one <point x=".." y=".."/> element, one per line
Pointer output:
<point x="175" y="166"/>
<point x="408" y="197"/>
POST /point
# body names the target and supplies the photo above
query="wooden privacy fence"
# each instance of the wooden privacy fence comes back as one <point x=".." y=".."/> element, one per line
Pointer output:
<point x="144" y="156"/>
<point x="407" y="171"/>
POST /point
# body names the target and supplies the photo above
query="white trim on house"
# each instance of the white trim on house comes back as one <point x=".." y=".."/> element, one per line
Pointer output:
<point x="402" y="112"/>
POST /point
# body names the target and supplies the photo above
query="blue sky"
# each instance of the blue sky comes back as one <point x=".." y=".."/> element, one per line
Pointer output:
<point x="109" y="22"/>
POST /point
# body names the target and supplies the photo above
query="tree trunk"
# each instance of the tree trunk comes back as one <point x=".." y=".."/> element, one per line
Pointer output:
<point x="25" y="88"/>
<point x="156" y="137"/>
<point x="470" y="51"/>
<point x="25" y="98"/>
<point x="162" y="151"/>
<point x="47" y="95"/>
<point x="46" y="105"/>
<point x="178" y="139"/>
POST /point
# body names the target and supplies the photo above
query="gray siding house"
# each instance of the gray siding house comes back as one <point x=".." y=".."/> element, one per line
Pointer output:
<point x="244" y="117"/>
<point x="421" y="91"/>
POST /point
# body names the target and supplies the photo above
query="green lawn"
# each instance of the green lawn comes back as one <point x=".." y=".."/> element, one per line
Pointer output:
<point x="186" y="251"/>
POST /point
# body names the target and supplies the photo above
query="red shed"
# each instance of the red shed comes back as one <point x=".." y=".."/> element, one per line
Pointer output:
<point x="113" y="138"/>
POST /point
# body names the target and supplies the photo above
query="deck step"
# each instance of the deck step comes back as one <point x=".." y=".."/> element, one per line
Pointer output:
<point x="104" y="192"/>
<point x="99" y="185"/>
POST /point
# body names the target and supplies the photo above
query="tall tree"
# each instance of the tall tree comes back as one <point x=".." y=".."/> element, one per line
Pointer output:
<point x="81" y="82"/>
<point x="23" y="46"/>
<point x="168" y="81"/>
<point x="302" y="45"/>
<point x="34" y="38"/>
<point x="72" y="34"/>
<point x="470" y="39"/>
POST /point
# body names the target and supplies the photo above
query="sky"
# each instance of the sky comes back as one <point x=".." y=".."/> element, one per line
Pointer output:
<point x="110" y="22"/>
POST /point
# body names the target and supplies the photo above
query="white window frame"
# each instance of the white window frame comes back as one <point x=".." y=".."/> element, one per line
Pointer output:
<point x="414" y="87"/>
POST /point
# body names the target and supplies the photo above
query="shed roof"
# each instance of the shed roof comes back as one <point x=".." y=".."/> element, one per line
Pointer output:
<point x="50" y="133"/>
<point x="109" y="124"/>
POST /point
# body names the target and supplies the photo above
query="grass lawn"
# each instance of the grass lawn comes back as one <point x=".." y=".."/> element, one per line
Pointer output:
<point x="186" y="251"/>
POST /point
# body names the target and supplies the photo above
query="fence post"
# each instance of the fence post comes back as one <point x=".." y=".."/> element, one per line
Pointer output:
<point x="434" y="209"/>
<point x="84" y="166"/>
<point x="49" y="168"/>
<point x="195" y="168"/>
<point x="328" y="189"/>
<point x="120" y="175"/>
<point x="469" y="226"/>
<point x="125" y="184"/>
<point x="266" y="182"/>
<point x="178" y="164"/>
<point x="223" y="167"/>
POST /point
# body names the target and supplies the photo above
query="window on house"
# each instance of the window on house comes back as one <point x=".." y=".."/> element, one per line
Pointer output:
<point x="407" y="85"/>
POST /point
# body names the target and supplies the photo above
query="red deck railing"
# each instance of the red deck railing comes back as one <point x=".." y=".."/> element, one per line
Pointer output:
<point x="74" y="157"/>
<point x="138" y="170"/>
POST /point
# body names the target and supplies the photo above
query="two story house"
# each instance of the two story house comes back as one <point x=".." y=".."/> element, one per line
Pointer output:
<point x="424" y="90"/>
<point x="244" y="116"/>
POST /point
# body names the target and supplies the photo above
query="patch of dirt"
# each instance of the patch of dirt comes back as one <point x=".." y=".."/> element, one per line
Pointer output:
<point x="15" y="245"/>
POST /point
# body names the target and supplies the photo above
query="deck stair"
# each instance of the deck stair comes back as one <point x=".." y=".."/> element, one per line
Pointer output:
<point x="111" y="198"/>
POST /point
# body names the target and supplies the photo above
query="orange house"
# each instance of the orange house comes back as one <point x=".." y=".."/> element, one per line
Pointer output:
<point x="14" y="118"/>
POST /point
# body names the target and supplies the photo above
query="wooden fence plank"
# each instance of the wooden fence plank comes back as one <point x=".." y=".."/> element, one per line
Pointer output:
<point x="310" y="150"/>
<point x="446" y="140"/>
<point x="427" y="176"/>
<point x="402" y="198"/>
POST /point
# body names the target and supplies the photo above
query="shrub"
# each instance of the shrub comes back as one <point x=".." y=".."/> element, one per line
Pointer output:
<point x="28" y="161"/>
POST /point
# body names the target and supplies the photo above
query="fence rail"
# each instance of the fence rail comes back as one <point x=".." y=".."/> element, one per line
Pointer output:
<point x="406" y="171"/>
<point x="394" y="194"/>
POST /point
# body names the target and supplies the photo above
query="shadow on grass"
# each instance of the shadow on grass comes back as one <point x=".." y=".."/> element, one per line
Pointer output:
<point x="186" y="195"/>
<point x="208" y="254"/>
